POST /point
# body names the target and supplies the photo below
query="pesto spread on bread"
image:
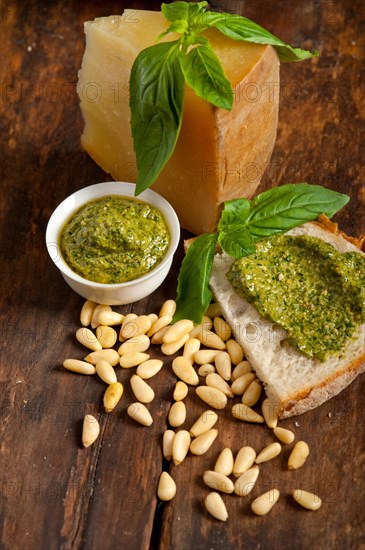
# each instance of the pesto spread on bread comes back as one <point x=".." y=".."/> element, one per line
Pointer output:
<point x="114" y="239"/>
<point x="303" y="284"/>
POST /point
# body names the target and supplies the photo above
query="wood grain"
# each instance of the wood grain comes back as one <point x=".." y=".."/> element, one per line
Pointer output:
<point x="56" y="494"/>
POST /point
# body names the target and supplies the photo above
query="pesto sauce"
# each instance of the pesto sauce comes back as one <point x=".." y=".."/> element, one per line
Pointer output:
<point x="306" y="286"/>
<point x="114" y="239"/>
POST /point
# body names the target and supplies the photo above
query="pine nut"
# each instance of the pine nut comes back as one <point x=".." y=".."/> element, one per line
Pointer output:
<point x="190" y="348"/>
<point x="88" y="339"/>
<point x="298" y="455"/>
<point x="222" y="329"/>
<point x="216" y="507"/>
<point x="185" y="371"/>
<point x="213" y="397"/>
<point x="143" y="392"/>
<point x="107" y="336"/>
<point x="242" y="368"/>
<point x="224" y="463"/>
<point x="285" y="436"/>
<point x="109" y="318"/>
<point x="173" y="347"/>
<point x="130" y="360"/>
<point x="263" y="504"/>
<point x="223" y="365"/>
<point x="99" y="308"/>
<point x="167" y="443"/>
<point x="178" y="330"/>
<point x="149" y="368"/>
<point x="168" y="308"/>
<point x="204" y="356"/>
<point x="86" y="313"/>
<point x="135" y="327"/>
<point x="106" y="372"/>
<point x="140" y="414"/>
<point x="204" y="423"/>
<point x="177" y="414"/>
<point x="157" y="338"/>
<point x="180" y="446"/>
<point x="158" y="325"/>
<point x="127" y="319"/>
<point x="152" y="317"/>
<point x="244" y="460"/>
<point x="240" y="385"/>
<point x="201" y="444"/>
<point x="90" y="430"/>
<point x="310" y="501"/>
<point x="112" y="396"/>
<point x="218" y="481"/>
<point x="268" y="453"/>
<point x="75" y="365"/>
<point x="235" y="351"/>
<point x="242" y="412"/>
<point x="215" y="381"/>
<point x="109" y="355"/>
<point x="214" y="310"/>
<point x="180" y="391"/>
<point x="211" y="340"/>
<point x="245" y="483"/>
<point x="137" y="344"/>
<point x="166" y="489"/>
<point x="206" y="369"/>
<point x="201" y="328"/>
<point x="252" y="394"/>
<point x="269" y="412"/>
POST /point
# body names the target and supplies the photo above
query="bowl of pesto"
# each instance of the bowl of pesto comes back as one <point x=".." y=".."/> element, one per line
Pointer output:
<point x="110" y="246"/>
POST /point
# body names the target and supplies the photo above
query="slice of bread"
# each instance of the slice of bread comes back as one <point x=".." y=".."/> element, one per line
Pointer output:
<point x="294" y="383"/>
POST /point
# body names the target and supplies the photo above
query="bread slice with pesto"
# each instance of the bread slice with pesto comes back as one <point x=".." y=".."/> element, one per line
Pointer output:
<point x="294" y="383"/>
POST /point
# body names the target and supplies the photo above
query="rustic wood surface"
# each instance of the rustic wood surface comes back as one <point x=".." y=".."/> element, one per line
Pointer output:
<point x="55" y="494"/>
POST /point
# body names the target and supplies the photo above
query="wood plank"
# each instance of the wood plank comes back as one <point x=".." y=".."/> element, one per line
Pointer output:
<point x="56" y="494"/>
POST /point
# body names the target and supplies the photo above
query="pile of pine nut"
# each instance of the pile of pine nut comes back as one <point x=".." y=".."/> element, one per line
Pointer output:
<point x="213" y="362"/>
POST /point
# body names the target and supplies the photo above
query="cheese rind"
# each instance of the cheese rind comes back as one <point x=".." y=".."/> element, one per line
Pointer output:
<point x="219" y="154"/>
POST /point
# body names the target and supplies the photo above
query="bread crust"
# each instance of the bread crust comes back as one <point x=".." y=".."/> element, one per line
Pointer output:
<point x="310" y="398"/>
<point x="312" y="392"/>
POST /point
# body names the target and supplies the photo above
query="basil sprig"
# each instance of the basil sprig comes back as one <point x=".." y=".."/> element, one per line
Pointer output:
<point x="160" y="72"/>
<point x="241" y="225"/>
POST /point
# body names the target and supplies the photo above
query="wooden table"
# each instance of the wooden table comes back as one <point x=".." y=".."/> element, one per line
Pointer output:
<point x="55" y="494"/>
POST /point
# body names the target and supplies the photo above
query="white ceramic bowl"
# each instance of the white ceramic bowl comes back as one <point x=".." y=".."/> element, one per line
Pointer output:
<point x="112" y="294"/>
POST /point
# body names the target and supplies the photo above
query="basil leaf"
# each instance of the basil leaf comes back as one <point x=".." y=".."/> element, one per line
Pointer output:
<point x="241" y="28"/>
<point x="175" y="11"/>
<point x="211" y="18"/>
<point x="180" y="26"/>
<point x="197" y="10"/>
<point x="234" y="212"/>
<point x="237" y="242"/>
<point x="205" y="75"/>
<point x="282" y="208"/>
<point x="193" y="292"/>
<point x="156" y="103"/>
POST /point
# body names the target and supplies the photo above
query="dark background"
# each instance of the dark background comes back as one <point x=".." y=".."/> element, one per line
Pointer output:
<point x="56" y="494"/>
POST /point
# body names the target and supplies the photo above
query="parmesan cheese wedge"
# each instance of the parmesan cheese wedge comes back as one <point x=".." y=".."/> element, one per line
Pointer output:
<point x="219" y="155"/>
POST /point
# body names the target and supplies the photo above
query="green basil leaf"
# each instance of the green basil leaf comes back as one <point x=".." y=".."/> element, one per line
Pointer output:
<point x="237" y="242"/>
<point x="282" y="208"/>
<point x="241" y="28"/>
<point x="205" y="75"/>
<point x="211" y="18"/>
<point x="193" y="292"/>
<point x="197" y="10"/>
<point x="175" y="11"/>
<point x="156" y="102"/>
<point x="180" y="26"/>
<point x="234" y="212"/>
